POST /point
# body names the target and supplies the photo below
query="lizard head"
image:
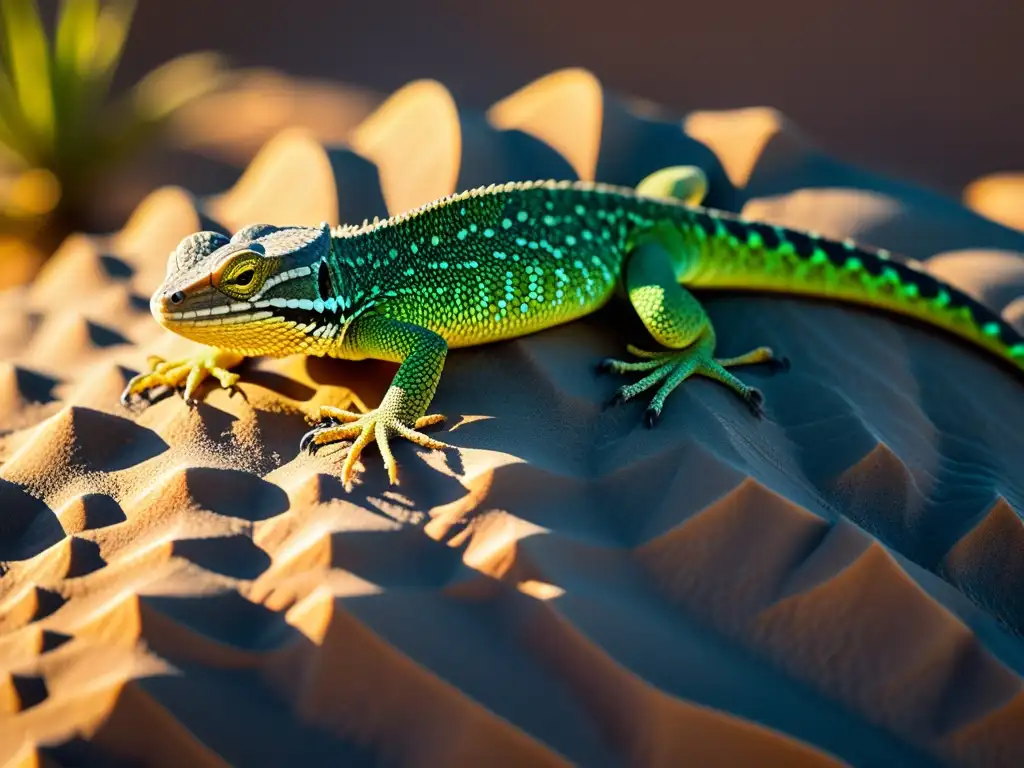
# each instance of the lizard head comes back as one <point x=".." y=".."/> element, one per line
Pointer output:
<point x="265" y="291"/>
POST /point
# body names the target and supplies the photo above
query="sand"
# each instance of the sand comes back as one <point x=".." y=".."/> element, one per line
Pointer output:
<point x="999" y="197"/>
<point x="838" y="584"/>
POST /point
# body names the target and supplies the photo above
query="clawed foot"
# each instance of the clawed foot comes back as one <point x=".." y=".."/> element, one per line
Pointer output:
<point x="191" y="371"/>
<point x="360" y="429"/>
<point x="670" y="368"/>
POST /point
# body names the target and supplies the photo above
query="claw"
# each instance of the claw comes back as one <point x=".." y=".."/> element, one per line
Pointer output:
<point x="755" y="401"/>
<point x="309" y="442"/>
<point x="651" y="416"/>
<point x="130" y="399"/>
<point x="617" y="398"/>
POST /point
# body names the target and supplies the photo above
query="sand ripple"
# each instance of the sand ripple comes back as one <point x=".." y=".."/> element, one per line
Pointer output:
<point x="840" y="584"/>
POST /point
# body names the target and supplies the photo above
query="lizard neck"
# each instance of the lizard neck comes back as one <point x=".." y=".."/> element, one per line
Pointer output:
<point x="345" y="282"/>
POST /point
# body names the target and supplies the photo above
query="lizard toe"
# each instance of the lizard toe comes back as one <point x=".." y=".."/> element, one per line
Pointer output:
<point x="187" y="373"/>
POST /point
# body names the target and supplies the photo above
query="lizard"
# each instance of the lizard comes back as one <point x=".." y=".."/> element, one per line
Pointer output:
<point x="506" y="260"/>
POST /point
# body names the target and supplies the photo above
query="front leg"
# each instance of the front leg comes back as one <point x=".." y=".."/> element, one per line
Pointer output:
<point x="403" y="410"/>
<point x="190" y="371"/>
<point x="677" y="320"/>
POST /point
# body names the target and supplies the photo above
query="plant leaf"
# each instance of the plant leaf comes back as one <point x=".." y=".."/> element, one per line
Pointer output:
<point x="148" y="105"/>
<point x="175" y="83"/>
<point x="75" y="38"/>
<point x="15" y="136"/>
<point x="112" y="27"/>
<point x="28" y="61"/>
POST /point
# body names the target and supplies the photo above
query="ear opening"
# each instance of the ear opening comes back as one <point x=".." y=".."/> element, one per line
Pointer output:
<point x="323" y="282"/>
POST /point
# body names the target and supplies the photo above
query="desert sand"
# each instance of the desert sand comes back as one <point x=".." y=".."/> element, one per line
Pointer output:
<point x="839" y="584"/>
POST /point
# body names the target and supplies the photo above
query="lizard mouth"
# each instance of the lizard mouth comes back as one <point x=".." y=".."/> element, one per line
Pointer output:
<point x="315" y="319"/>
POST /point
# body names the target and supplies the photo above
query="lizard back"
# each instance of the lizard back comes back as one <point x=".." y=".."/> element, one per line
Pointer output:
<point x="505" y="260"/>
<point x="496" y="262"/>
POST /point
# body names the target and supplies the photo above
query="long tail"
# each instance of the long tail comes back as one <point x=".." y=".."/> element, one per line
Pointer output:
<point x="731" y="253"/>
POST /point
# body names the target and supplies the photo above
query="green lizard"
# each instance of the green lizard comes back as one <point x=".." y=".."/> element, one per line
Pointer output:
<point x="507" y="260"/>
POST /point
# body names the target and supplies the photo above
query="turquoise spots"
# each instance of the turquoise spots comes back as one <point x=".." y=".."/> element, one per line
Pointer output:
<point x="494" y="252"/>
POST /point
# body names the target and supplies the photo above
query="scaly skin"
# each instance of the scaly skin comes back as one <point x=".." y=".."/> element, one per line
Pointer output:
<point x="508" y="260"/>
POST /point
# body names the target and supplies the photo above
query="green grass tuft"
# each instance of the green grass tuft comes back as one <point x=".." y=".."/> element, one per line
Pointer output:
<point x="60" y="128"/>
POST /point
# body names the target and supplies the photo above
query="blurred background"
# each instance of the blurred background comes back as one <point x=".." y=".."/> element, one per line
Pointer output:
<point x="924" y="90"/>
<point x="929" y="90"/>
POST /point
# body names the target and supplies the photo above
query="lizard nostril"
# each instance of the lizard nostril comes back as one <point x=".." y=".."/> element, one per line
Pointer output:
<point x="177" y="297"/>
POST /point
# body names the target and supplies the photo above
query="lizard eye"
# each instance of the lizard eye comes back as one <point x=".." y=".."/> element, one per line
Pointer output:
<point x="245" y="277"/>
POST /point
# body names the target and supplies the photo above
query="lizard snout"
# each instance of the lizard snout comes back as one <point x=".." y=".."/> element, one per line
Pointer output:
<point x="166" y="302"/>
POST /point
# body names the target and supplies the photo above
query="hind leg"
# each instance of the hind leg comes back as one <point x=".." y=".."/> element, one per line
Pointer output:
<point x="679" y="182"/>
<point x="677" y="321"/>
